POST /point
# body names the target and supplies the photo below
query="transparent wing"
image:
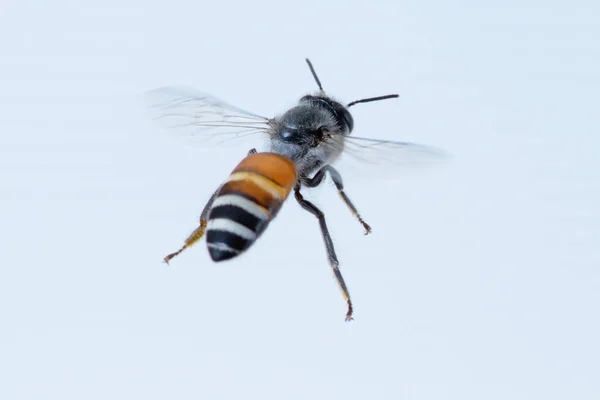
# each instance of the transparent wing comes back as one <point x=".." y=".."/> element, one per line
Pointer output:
<point x="373" y="157"/>
<point x="203" y="120"/>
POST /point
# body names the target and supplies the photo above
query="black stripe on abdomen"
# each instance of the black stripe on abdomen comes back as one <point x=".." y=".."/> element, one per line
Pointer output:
<point x="237" y="214"/>
<point x="223" y="245"/>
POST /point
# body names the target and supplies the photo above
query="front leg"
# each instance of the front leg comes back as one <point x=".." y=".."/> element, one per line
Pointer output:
<point x="339" y="184"/>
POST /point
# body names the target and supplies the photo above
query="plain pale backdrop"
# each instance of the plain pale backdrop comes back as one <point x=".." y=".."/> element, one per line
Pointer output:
<point x="480" y="280"/>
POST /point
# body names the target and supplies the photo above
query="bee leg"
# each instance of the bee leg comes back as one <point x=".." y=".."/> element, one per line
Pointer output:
<point x="339" y="184"/>
<point x="310" y="207"/>
<point x="197" y="234"/>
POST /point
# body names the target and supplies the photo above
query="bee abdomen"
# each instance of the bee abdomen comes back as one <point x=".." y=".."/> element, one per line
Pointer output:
<point x="247" y="202"/>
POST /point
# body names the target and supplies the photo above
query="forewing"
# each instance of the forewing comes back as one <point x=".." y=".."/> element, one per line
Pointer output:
<point x="204" y="120"/>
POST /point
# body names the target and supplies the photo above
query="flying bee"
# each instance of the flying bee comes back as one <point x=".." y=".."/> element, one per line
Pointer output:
<point x="302" y="143"/>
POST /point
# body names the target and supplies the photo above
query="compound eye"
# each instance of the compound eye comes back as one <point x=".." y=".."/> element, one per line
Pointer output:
<point x="348" y="120"/>
<point x="319" y="133"/>
<point x="287" y="135"/>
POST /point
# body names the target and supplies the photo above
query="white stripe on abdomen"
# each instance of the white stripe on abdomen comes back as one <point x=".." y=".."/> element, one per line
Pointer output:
<point x="243" y="203"/>
<point x="228" y="225"/>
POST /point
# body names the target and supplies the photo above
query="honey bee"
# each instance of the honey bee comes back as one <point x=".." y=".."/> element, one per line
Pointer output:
<point x="302" y="143"/>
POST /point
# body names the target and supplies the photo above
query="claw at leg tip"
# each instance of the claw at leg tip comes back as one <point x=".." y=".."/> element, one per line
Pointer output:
<point x="349" y="315"/>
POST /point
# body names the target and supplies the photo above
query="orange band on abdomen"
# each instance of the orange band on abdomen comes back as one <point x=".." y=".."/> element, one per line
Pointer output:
<point x="281" y="170"/>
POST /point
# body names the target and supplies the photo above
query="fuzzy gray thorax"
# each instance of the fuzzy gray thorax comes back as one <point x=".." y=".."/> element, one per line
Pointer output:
<point x="311" y="134"/>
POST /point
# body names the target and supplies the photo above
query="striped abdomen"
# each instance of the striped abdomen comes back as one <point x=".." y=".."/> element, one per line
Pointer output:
<point x="247" y="202"/>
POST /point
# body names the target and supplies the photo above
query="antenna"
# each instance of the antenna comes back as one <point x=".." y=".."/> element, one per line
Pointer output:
<point x="387" y="96"/>
<point x="367" y="100"/>
<point x="314" y="74"/>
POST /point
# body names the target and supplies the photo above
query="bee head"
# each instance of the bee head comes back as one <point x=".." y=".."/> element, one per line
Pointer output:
<point x="313" y="120"/>
<point x="341" y="115"/>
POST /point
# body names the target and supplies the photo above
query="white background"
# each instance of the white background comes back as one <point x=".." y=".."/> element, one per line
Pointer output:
<point x="481" y="278"/>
